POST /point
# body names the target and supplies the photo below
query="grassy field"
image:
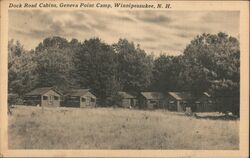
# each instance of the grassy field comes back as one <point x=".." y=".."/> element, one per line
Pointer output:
<point x="109" y="128"/>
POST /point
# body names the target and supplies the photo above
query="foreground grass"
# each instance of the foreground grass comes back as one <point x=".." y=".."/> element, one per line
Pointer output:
<point x="107" y="128"/>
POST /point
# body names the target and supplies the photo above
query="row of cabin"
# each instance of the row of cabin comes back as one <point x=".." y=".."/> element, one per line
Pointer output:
<point x="174" y="101"/>
<point x="50" y="97"/>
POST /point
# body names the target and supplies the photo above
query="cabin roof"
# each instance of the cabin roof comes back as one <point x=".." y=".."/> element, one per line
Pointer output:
<point x="152" y="95"/>
<point x="181" y="95"/>
<point x="126" y="95"/>
<point x="41" y="91"/>
<point x="77" y="92"/>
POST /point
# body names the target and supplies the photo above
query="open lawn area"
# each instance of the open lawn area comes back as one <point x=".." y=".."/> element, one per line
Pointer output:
<point x="116" y="128"/>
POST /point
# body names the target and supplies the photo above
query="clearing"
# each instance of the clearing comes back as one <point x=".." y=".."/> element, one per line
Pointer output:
<point x="116" y="128"/>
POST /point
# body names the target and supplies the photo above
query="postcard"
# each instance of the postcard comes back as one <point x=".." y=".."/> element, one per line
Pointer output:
<point x="121" y="78"/>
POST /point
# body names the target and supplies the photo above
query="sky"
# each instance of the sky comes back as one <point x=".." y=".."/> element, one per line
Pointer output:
<point x="157" y="32"/>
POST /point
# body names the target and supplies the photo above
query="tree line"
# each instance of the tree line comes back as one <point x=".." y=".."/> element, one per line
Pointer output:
<point x="210" y="62"/>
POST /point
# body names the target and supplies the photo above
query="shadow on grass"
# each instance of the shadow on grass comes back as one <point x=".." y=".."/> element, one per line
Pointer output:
<point x="222" y="117"/>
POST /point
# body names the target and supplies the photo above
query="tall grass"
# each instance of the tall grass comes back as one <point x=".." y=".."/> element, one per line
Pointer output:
<point x="108" y="128"/>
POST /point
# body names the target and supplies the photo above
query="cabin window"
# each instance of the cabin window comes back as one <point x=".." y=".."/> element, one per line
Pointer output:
<point x="45" y="97"/>
<point x="152" y="101"/>
<point x="56" y="97"/>
<point x="92" y="99"/>
<point x="83" y="99"/>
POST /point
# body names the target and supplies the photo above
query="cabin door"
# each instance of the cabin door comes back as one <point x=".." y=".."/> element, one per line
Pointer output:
<point x="132" y="102"/>
<point x="51" y="99"/>
<point x="88" y="101"/>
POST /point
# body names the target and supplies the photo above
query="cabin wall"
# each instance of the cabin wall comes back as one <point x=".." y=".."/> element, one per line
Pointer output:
<point x="181" y="107"/>
<point x="204" y="104"/>
<point x="134" y="102"/>
<point x="126" y="102"/>
<point x="145" y="103"/>
<point x="153" y="103"/>
<point x="88" y="100"/>
<point x="171" y="103"/>
<point x="142" y="102"/>
<point x="204" y="107"/>
<point x="72" y="101"/>
<point x="50" y="99"/>
<point x="172" y="106"/>
<point x="33" y="100"/>
<point x="176" y="105"/>
<point x="80" y="101"/>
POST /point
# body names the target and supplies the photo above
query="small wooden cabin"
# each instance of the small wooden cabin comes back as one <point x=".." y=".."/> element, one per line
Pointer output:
<point x="12" y="99"/>
<point x="80" y="98"/>
<point x="204" y="103"/>
<point x="178" y="101"/>
<point x="45" y="96"/>
<point x="151" y="100"/>
<point x="127" y="100"/>
<point x="227" y="103"/>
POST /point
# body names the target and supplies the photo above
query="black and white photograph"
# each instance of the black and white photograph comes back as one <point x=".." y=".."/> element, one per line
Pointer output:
<point x="126" y="79"/>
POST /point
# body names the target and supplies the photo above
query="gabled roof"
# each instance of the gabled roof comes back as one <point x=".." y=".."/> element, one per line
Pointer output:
<point x="126" y="95"/>
<point x="41" y="91"/>
<point x="181" y="95"/>
<point x="77" y="92"/>
<point x="152" y="95"/>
